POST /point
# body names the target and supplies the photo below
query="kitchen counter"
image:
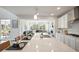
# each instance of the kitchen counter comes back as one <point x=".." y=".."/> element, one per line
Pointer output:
<point x="75" y="35"/>
<point x="4" y="45"/>
<point x="71" y="40"/>
<point x="50" y="44"/>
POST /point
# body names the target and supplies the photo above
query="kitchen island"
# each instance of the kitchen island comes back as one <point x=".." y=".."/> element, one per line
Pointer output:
<point x="48" y="44"/>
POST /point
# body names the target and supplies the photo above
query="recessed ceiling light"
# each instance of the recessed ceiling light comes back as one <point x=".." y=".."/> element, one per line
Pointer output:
<point x="51" y="14"/>
<point x="58" y="8"/>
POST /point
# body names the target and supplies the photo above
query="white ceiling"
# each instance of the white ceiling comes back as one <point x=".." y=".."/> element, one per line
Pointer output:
<point x="43" y="10"/>
<point x="5" y="14"/>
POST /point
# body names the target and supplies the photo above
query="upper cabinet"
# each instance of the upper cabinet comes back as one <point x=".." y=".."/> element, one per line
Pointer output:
<point x="62" y="21"/>
<point x="73" y="14"/>
<point x="67" y="20"/>
<point x="76" y="13"/>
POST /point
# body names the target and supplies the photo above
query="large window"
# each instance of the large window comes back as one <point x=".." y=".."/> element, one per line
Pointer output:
<point x="40" y="27"/>
<point x="35" y="25"/>
<point x="5" y="28"/>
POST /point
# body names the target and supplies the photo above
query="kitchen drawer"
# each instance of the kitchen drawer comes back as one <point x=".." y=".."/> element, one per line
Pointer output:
<point x="62" y="38"/>
<point x="72" y="42"/>
<point x="67" y="40"/>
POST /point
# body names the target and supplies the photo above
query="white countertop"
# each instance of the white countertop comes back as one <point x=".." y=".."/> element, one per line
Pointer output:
<point x="37" y="44"/>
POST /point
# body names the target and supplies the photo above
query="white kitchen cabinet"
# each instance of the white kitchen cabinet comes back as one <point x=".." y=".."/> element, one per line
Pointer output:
<point x="62" y="22"/>
<point x="59" y="23"/>
<point x="60" y="37"/>
<point x="66" y="21"/>
<point x="77" y="44"/>
<point x="72" y="42"/>
<point x="67" y="40"/>
<point x="71" y="15"/>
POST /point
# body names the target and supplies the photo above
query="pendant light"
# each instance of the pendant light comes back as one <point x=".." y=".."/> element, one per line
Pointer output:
<point x="36" y="14"/>
<point x="35" y="17"/>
